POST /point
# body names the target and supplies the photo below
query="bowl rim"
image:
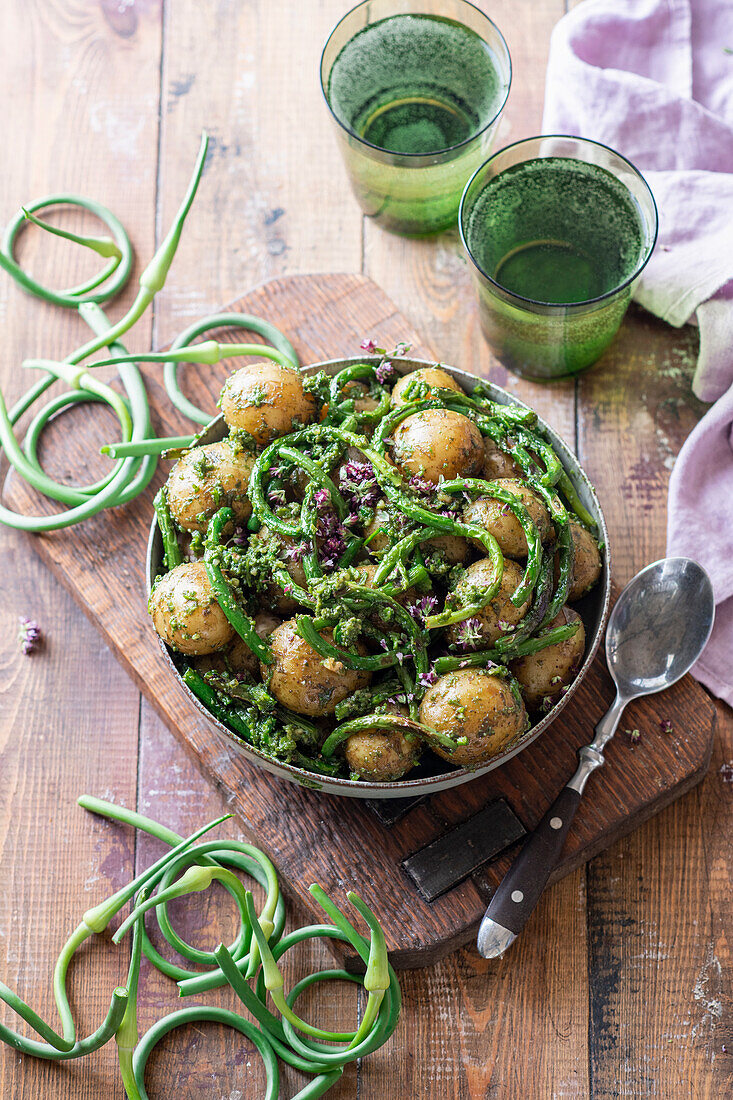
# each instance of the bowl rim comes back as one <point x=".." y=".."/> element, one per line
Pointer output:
<point x="409" y="788"/>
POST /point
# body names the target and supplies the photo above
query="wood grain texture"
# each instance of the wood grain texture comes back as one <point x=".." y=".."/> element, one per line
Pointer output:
<point x="69" y="715"/>
<point x="519" y="1028"/>
<point x="658" y="904"/>
<point x="59" y="737"/>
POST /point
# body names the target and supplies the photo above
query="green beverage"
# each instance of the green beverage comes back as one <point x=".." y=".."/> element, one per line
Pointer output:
<point x="557" y="239"/>
<point x="416" y="96"/>
<point x="415" y="84"/>
<point x="556" y="230"/>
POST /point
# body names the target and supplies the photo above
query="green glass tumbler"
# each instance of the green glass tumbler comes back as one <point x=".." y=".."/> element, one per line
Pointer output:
<point x="557" y="230"/>
<point x="416" y="88"/>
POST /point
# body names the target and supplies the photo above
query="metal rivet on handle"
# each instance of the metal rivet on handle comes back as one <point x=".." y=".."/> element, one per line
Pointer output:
<point x="517" y="896"/>
<point x="556" y="823"/>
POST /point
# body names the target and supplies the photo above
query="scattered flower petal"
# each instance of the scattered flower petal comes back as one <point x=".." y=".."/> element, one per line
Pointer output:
<point x="29" y="635"/>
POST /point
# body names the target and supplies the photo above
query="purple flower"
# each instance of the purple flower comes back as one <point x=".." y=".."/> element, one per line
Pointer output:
<point x="401" y="348"/>
<point x="634" y="737"/>
<point x="276" y="496"/>
<point x="384" y="371"/>
<point x="425" y="679"/>
<point x="468" y="633"/>
<point x="369" y="346"/>
<point x="666" y="726"/>
<point x="358" y="482"/>
<point x="422" y="608"/>
<point x="239" y="538"/>
<point x="321" y="497"/>
<point x="296" y="551"/>
<point x="421" y="485"/>
<point x="331" y="538"/>
<point x="29" y="635"/>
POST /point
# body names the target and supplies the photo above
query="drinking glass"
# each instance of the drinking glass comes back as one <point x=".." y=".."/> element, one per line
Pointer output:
<point x="416" y="88"/>
<point x="557" y="230"/>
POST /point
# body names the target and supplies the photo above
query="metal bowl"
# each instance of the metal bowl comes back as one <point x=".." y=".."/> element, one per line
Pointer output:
<point x="433" y="774"/>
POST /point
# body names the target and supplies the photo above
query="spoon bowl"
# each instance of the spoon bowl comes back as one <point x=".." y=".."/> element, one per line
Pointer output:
<point x="659" y="626"/>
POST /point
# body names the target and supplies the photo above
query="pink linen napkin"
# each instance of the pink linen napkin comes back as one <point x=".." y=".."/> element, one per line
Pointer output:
<point x="654" y="80"/>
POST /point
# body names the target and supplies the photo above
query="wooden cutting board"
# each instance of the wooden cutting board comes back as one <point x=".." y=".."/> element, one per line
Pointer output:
<point x="426" y="868"/>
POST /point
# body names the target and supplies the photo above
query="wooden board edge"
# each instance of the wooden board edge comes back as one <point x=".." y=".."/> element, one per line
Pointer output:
<point x="434" y="953"/>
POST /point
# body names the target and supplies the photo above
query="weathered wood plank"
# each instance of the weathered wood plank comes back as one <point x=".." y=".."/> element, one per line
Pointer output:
<point x="658" y="903"/>
<point x="69" y="714"/>
<point x="60" y="736"/>
<point x="274" y="199"/>
<point x="659" y="913"/>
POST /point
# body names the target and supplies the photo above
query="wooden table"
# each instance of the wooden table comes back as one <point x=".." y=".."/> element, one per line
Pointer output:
<point x="621" y="985"/>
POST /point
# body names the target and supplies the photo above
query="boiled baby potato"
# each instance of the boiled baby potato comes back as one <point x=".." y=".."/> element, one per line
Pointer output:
<point x="438" y="443"/>
<point x="475" y="704"/>
<point x="542" y="676"/>
<point x="206" y="479"/>
<point x="497" y="464"/>
<point x="382" y="755"/>
<point x="434" y="377"/>
<point x="238" y="658"/>
<point x="500" y="615"/>
<point x="586" y="563"/>
<point x="185" y="612"/>
<point x="266" y="400"/>
<point x="496" y="518"/>
<point x="302" y="680"/>
<point x="453" y="548"/>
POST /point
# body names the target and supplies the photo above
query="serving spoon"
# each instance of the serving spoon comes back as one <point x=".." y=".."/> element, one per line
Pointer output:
<point x="657" y="630"/>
